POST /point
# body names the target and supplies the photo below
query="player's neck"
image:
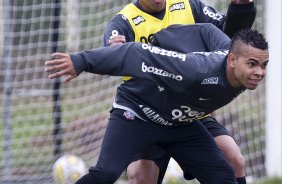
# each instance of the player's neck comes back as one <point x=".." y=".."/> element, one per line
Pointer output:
<point x="158" y="15"/>
<point x="150" y="10"/>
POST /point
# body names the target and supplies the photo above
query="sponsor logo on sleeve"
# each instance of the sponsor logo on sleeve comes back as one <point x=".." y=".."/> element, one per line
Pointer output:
<point x="219" y="52"/>
<point x="160" y="72"/>
<point x="124" y="17"/>
<point x="177" y="6"/>
<point x="222" y="52"/>
<point x="203" y="53"/>
<point x="213" y="15"/>
<point x="163" y="52"/>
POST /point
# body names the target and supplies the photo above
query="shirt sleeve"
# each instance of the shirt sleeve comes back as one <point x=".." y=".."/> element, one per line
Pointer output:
<point x="167" y="68"/>
<point x="119" y="25"/>
<point x="204" y="37"/>
<point x="238" y="16"/>
<point x="206" y="14"/>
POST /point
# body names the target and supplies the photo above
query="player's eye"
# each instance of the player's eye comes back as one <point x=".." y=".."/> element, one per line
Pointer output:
<point x="264" y="66"/>
<point x="251" y="64"/>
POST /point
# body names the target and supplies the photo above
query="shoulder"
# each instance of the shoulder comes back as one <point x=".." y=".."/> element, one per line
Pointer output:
<point x="118" y="25"/>
<point x="129" y="10"/>
<point x="196" y="4"/>
<point x="209" y="62"/>
<point x="118" y="19"/>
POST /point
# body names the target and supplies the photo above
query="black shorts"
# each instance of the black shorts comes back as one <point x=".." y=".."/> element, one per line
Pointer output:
<point x="190" y="145"/>
<point x="161" y="158"/>
<point x="157" y="154"/>
<point x="215" y="128"/>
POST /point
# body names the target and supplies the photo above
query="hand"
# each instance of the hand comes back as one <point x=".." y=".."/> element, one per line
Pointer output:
<point x="61" y="65"/>
<point x="117" y="40"/>
<point x="241" y="1"/>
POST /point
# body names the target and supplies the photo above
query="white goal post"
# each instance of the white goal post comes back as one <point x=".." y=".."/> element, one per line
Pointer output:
<point x="274" y="89"/>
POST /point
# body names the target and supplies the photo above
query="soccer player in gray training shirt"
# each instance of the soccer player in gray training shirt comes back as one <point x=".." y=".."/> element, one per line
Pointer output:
<point x="181" y="90"/>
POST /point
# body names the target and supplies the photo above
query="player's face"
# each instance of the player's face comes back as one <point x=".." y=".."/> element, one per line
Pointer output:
<point x="153" y="5"/>
<point x="250" y="67"/>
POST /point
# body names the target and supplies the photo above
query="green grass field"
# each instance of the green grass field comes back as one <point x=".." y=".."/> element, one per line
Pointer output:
<point x="273" y="180"/>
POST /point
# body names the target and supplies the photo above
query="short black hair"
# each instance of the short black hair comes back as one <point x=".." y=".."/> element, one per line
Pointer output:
<point x="248" y="37"/>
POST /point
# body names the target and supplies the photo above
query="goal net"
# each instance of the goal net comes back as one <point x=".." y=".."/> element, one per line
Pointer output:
<point x="42" y="119"/>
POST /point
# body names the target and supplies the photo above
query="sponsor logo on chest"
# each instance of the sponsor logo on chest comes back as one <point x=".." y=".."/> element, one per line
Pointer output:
<point x="154" y="116"/>
<point x="177" y="6"/>
<point x="137" y="20"/>
<point x="211" y="80"/>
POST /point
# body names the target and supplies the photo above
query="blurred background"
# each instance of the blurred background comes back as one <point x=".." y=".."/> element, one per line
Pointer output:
<point x="43" y="119"/>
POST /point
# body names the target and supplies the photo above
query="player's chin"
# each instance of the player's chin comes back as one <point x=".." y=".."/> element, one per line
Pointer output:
<point x="251" y="86"/>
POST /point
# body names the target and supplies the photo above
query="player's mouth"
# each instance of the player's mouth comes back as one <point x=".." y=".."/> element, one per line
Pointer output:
<point x="254" y="82"/>
<point x="158" y="5"/>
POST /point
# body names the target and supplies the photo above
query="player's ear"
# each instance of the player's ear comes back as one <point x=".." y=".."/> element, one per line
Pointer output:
<point x="231" y="59"/>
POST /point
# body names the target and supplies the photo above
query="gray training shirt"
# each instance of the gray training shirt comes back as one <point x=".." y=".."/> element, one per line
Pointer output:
<point x="168" y="87"/>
